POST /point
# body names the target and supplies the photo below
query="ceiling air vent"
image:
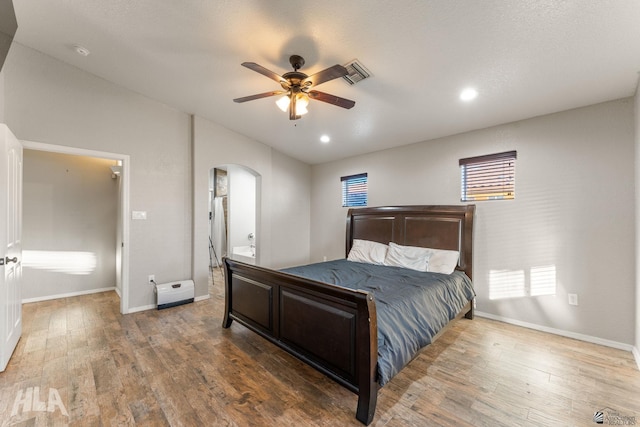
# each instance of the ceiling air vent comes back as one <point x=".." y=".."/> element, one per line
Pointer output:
<point x="357" y="72"/>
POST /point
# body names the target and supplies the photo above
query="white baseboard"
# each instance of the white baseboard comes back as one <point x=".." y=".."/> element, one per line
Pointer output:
<point x="568" y="334"/>
<point x="95" y="291"/>
<point x="636" y="355"/>
<point x="67" y="295"/>
<point x="118" y="292"/>
<point x="141" y="308"/>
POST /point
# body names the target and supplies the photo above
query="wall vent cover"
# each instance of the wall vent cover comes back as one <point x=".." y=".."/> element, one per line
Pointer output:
<point x="357" y="72"/>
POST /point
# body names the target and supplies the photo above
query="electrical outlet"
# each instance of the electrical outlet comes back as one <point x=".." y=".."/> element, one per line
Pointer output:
<point x="573" y="299"/>
<point x="152" y="279"/>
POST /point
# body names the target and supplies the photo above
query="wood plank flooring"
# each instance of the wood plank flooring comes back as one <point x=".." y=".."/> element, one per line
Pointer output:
<point x="81" y="363"/>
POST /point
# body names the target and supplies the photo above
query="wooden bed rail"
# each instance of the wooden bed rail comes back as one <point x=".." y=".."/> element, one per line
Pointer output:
<point x="331" y="328"/>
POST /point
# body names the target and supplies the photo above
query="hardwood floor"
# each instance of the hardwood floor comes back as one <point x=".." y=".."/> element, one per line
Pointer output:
<point x="79" y="362"/>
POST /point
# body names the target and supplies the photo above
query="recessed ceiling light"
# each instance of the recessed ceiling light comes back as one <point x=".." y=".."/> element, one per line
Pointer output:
<point x="81" y="50"/>
<point x="325" y="138"/>
<point x="468" y="94"/>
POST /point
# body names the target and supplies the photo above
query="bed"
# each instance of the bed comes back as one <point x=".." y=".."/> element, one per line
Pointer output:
<point x="335" y="329"/>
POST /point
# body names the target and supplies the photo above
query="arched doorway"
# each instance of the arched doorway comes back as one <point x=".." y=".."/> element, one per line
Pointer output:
<point x="234" y="194"/>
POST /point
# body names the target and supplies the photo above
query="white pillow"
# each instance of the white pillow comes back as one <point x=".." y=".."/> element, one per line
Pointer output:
<point x="411" y="257"/>
<point x="367" y="251"/>
<point x="442" y="261"/>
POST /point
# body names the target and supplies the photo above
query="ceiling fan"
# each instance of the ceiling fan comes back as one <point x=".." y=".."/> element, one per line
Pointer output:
<point x="297" y="87"/>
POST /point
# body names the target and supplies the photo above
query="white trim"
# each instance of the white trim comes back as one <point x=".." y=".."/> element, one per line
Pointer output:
<point x="142" y="308"/>
<point x="202" y="298"/>
<point x="118" y="292"/>
<point x="68" y="295"/>
<point x="124" y="200"/>
<point x="568" y="334"/>
<point x="636" y="355"/>
<point x="63" y="149"/>
<point x="126" y="218"/>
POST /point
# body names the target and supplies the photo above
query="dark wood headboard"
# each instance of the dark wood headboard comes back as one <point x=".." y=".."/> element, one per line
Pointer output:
<point x="437" y="227"/>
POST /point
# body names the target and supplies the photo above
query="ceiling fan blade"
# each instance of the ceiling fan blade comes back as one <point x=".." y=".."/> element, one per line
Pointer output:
<point x="260" y="69"/>
<point x="331" y="99"/>
<point x="259" y="95"/>
<point x="325" y="75"/>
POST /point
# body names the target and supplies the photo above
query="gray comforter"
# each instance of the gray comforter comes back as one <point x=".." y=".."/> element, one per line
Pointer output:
<point x="411" y="306"/>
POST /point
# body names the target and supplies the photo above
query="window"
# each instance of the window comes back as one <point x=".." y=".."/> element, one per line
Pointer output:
<point x="354" y="190"/>
<point x="491" y="177"/>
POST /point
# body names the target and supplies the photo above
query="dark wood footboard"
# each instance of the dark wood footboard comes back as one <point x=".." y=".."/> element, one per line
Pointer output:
<point x="331" y="328"/>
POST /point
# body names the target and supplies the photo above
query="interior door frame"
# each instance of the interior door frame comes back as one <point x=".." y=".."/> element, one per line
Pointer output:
<point x="124" y="202"/>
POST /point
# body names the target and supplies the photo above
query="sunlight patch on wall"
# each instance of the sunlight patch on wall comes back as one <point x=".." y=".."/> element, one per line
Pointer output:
<point x="67" y="262"/>
<point x="514" y="284"/>
<point x="506" y="284"/>
<point x="543" y="280"/>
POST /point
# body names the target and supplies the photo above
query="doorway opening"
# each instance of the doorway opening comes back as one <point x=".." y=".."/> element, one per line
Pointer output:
<point x="85" y="261"/>
<point x="234" y="200"/>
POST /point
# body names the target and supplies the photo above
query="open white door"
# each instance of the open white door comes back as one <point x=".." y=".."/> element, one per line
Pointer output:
<point x="10" y="244"/>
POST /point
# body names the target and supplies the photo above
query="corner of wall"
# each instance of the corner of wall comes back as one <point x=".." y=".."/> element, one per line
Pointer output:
<point x="636" y="118"/>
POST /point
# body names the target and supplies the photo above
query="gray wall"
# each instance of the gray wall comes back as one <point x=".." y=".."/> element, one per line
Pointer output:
<point x="574" y="210"/>
<point x="70" y="204"/>
<point x="290" y="202"/>
<point x="49" y="101"/>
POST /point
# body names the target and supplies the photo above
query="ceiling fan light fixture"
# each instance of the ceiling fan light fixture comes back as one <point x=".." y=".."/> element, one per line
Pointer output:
<point x="283" y="103"/>
<point x="302" y="102"/>
<point x="301" y="110"/>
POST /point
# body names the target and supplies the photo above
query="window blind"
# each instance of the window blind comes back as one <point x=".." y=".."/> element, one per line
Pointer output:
<point x="354" y="190"/>
<point x="490" y="177"/>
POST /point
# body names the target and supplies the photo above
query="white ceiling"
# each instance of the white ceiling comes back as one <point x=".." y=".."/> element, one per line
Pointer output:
<point x="525" y="58"/>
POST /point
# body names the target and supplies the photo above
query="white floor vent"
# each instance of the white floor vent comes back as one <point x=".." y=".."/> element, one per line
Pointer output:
<point x="174" y="293"/>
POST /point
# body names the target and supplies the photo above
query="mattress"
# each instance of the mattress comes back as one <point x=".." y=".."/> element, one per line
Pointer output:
<point x="412" y="306"/>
